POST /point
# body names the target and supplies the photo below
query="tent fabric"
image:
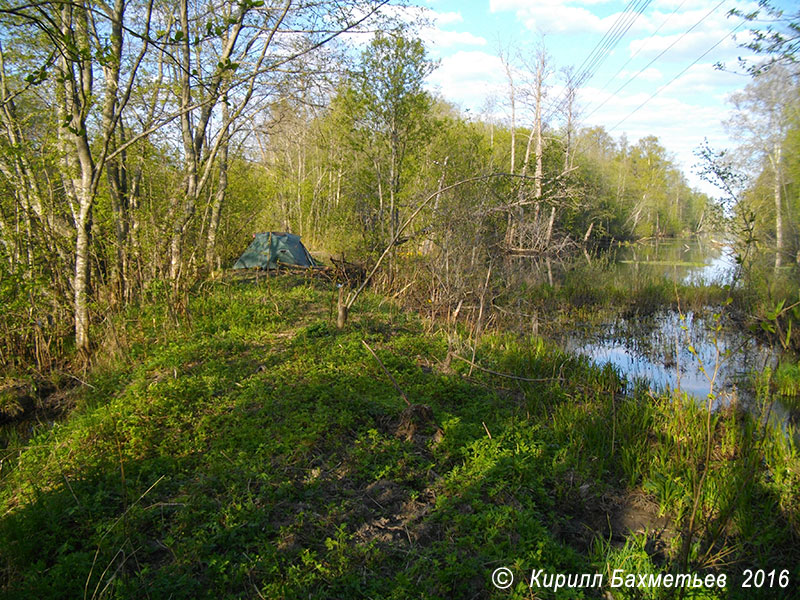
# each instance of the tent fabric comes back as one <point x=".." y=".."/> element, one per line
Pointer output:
<point x="269" y="249"/>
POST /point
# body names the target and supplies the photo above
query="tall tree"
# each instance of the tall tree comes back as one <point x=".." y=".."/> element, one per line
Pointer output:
<point x="86" y="40"/>
<point x="89" y="56"/>
<point x="393" y="111"/>
<point x="762" y="116"/>
<point x="539" y="70"/>
<point x="505" y="58"/>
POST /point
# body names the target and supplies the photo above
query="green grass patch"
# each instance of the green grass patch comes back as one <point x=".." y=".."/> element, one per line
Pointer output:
<point x="251" y="449"/>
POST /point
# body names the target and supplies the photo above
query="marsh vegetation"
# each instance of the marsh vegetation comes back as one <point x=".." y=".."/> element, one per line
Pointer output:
<point x="550" y="351"/>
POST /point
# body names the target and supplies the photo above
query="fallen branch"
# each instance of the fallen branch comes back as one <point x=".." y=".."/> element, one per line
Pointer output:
<point x="344" y="308"/>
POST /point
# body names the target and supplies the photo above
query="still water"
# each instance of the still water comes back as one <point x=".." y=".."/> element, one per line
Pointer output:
<point x="670" y="349"/>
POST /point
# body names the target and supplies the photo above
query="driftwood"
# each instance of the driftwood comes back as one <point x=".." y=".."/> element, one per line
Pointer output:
<point x="257" y="273"/>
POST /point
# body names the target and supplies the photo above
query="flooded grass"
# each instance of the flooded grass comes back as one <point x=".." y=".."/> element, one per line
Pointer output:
<point x="648" y="311"/>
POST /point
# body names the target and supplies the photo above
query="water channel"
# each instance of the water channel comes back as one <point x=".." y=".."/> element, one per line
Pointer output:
<point x="657" y="347"/>
<point x="668" y="349"/>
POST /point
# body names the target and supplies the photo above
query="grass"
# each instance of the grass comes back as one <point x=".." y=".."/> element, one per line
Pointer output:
<point x="247" y="448"/>
<point x="586" y="292"/>
<point x="786" y="381"/>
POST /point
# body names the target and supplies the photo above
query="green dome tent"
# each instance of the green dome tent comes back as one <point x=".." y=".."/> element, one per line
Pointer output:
<point x="269" y="249"/>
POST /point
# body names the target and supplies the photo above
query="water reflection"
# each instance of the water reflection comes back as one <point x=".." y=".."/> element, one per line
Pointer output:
<point x="673" y="352"/>
<point x="663" y="348"/>
<point x="697" y="261"/>
<point x="668" y="350"/>
<point x="720" y="269"/>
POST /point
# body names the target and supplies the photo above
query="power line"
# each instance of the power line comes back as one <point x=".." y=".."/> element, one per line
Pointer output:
<point x="603" y="48"/>
<point x="620" y="88"/>
<point x="663" y="87"/>
<point x="635" y="54"/>
<point x="611" y="38"/>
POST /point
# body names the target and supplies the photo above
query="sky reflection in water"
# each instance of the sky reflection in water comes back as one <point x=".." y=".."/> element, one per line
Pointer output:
<point x="657" y="348"/>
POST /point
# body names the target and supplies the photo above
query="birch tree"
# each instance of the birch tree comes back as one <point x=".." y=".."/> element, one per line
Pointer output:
<point x="86" y="58"/>
<point x="762" y="117"/>
<point x="394" y="111"/>
<point x="87" y="40"/>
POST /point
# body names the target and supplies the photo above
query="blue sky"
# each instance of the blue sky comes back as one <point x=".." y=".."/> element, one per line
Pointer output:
<point x="467" y="38"/>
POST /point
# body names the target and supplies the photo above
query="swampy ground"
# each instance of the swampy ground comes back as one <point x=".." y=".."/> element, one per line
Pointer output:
<point x="243" y="447"/>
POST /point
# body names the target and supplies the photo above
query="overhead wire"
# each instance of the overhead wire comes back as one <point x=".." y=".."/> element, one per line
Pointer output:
<point x="639" y="49"/>
<point x="602" y="49"/>
<point x="600" y="42"/>
<point x="671" y="81"/>
<point x="618" y="29"/>
<point x="647" y="66"/>
<point x="612" y="37"/>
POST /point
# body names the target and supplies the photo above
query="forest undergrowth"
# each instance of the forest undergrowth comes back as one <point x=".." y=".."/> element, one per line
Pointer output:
<point x="247" y="448"/>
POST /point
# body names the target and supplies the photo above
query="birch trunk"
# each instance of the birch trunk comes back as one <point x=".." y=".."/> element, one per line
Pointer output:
<point x="506" y="59"/>
<point x="219" y="198"/>
<point x="115" y="170"/>
<point x="182" y="208"/>
<point x="540" y="74"/>
<point x="81" y="279"/>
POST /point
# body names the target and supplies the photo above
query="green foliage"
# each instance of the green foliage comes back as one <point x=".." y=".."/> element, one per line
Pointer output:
<point x="778" y="40"/>
<point x="33" y="332"/>
<point x="636" y="191"/>
<point x="253" y="446"/>
<point x="232" y="441"/>
<point x="786" y="381"/>
<point x="232" y="451"/>
<point x="388" y="86"/>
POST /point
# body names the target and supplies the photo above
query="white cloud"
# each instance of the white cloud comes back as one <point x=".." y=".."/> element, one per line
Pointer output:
<point x="497" y="5"/>
<point x="649" y="74"/>
<point x="448" y="18"/>
<point x="446" y="39"/>
<point x="684" y="36"/>
<point x="667" y="3"/>
<point x="432" y="32"/>
<point x="670" y="5"/>
<point x="681" y="47"/>
<point x="430" y="25"/>
<point x="465" y="67"/>
<point x="437" y="38"/>
<point x="561" y="16"/>
<point x="698" y="19"/>
<point x="680" y="124"/>
<point x="704" y="78"/>
<point x="681" y="115"/>
<point x="469" y="77"/>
